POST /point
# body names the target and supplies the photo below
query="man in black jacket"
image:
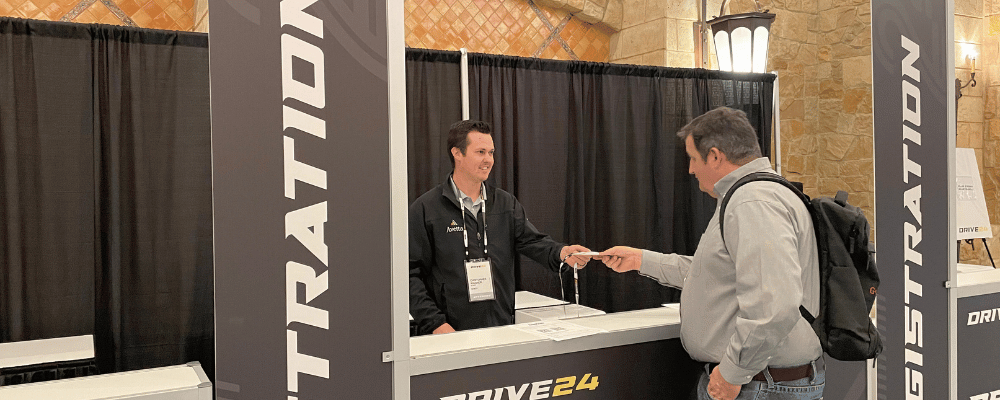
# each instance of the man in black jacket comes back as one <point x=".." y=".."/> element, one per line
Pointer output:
<point x="464" y="239"/>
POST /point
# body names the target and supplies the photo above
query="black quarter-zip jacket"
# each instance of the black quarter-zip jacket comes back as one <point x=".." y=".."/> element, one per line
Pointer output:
<point x="439" y="291"/>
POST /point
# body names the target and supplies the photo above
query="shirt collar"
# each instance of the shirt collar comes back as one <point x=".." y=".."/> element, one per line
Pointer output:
<point x="762" y="164"/>
<point x="463" y="198"/>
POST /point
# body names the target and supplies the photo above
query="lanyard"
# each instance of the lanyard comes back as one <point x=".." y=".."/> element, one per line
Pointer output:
<point x="465" y="229"/>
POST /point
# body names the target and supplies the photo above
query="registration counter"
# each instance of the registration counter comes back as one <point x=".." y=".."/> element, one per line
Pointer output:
<point x="639" y="355"/>
<point x="978" y="331"/>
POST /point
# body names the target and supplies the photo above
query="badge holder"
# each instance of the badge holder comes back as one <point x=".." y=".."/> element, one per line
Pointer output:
<point x="576" y="279"/>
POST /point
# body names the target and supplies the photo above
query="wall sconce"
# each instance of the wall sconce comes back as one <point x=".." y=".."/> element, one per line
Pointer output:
<point x="741" y="40"/>
<point x="972" y="80"/>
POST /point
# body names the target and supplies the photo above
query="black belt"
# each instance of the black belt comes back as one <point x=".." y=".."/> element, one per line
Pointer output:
<point x="779" y="374"/>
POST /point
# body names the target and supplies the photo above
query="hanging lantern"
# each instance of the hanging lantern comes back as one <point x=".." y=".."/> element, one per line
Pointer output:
<point x="741" y="41"/>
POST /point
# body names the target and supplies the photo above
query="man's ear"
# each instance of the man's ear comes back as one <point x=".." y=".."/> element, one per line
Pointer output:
<point x="715" y="157"/>
<point x="455" y="152"/>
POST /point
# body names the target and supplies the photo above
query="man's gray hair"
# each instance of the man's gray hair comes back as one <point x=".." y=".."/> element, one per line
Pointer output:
<point x="726" y="129"/>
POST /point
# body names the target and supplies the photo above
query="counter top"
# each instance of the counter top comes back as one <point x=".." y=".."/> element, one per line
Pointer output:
<point x="464" y="349"/>
<point x="974" y="280"/>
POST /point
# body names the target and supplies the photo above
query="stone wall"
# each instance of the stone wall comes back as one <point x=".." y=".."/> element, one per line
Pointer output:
<point x="509" y="27"/>
<point x="821" y="50"/>
<point x="178" y="15"/>
<point x="657" y="32"/>
<point x="977" y="28"/>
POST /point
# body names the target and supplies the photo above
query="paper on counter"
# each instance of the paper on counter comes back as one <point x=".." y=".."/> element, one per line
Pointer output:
<point x="557" y="330"/>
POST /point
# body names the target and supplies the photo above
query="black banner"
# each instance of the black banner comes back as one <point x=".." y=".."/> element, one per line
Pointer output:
<point x="910" y="52"/>
<point x="300" y="136"/>
<point x="651" y="370"/>
<point x="979" y="347"/>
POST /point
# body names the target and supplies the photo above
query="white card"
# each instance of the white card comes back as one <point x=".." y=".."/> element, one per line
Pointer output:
<point x="480" y="279"/>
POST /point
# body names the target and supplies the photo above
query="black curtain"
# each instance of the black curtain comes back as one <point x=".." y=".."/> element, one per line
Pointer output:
<point x="590" y="150"/>
<point x="105" y="191"/>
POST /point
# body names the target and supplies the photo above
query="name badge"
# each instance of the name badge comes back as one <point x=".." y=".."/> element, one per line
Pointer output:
<point x="480" y="279"/>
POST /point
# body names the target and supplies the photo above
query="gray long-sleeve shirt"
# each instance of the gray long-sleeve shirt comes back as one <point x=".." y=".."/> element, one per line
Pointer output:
<point x="740" y="306"/>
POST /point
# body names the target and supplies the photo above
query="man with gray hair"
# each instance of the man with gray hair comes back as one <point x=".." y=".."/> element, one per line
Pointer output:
<point x="741" y="294"/>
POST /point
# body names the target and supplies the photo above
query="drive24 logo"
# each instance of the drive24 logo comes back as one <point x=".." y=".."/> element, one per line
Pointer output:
<point x="533" y="391"/>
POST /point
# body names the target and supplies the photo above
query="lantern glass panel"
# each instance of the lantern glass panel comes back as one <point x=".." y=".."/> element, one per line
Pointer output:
<point x="760" y="49"/>
<point x="722" y="53"/>
<point x="742" y="50"/>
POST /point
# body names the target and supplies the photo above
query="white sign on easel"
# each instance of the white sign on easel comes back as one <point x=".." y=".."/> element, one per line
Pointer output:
<point x="972" y="218"/>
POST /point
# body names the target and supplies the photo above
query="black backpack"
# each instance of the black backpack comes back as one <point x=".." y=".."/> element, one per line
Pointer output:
<point x="848" y="277"/>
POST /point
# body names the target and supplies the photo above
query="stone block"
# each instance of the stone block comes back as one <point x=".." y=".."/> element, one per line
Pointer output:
<point x="615" y="46"/>
<point x="655" y="9"/>
<point x="992" y="102"/>
<point x="680" y="59"/>
<point x="826" y="21"/>
<point x="968" y="29"/>
<point x="841" y="51"/>
<point x="864" y="125"/>
<point x="681" y="9"/>
<point x="857" y="71"/>
<point x="806" y="145"/>
<point x="792" y="130"/>
<point x="668" y="34"/>
<point x="993" y="128"/>
<point x="575" y="6"/>
<point x="962" y="140"/>
<point x="556" y="4"/>
<point x="795" y="164"/>
<point x="782" y="49"/>
<point x="970" y="109"/>
<point x="593" y="11"/>
<point x="634" y="60"/>
<point x="831" y="89"/>
<point x="613" y="16"/>
<point x="845" y="123"/>
<point x="808" y="55"/>
<point x="828" y="186"/>
<point x="791" y="25"/>
<point x="857" y="184"/>
<point x="685" y="36"/>
<point x="973" y="132"/>
<point x="824" y="53"/>
<point x="790" y="85"/>
<point x="796" y="110"/>
<point x="808" y="6"/>
<point x="970" y="8"/>
<point x="855" y="97"/>
<point x="810" y="183"/>
<point x="642" y="39"/>
<point x="992" y="160"/>
<point x="847" y="16"/>
<point x="633" y="12"/>
<point x="835" y="146"/>
<point x="862" y="149"/>
<point x="657" y="58"/>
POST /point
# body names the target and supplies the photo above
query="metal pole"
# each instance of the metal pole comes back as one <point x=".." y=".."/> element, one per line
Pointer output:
<point x="465" y="83"/>
<point x="777" y="124"/>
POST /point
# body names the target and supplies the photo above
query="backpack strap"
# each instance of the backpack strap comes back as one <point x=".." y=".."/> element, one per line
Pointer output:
<point x="767" y="176"/>
<point x="758" y="176"/>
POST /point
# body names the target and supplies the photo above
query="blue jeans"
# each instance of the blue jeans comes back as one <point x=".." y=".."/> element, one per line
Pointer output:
<point x="808" y="388"/>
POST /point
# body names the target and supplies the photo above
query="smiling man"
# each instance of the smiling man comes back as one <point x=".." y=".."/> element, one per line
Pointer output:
<point x="465" y="236"/>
